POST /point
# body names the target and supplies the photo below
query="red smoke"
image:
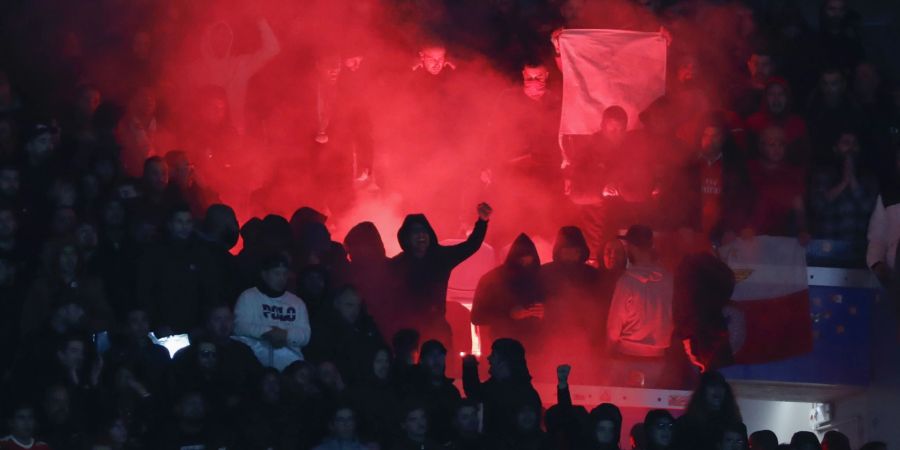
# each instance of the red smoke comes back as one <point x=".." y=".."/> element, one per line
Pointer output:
<point x="431" y="148"/>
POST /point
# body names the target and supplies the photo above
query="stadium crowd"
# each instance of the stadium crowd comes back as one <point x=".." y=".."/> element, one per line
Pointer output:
<point x="111" y="237"/>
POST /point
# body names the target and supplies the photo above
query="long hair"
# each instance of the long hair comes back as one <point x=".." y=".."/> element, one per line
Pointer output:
<point x="698" y="410"/>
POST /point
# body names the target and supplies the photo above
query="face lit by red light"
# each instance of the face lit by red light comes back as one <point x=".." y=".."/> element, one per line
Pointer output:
<point x="614" y="256"/>
<point x="686" y="71"/>
<point x="214" y="111"/>
<point x="777" y="98"/>
<point x="613" y="131"/>
<point x="419" y="240"/>
<point x="89" y="101"/>
<point x="329" y="69"/>
<point x="353" y="63"/>
<point x="711" y="141"/>
<point x="433" y="59"/>
<point x="761" y="66"/>
<point x="144" y="104"/>
<point x="773" y="145"/>
<point x="535" y="81"/>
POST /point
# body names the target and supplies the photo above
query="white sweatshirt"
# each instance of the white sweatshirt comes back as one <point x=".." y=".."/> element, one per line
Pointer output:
<point x="256" y="313"/>
<point x="640" y="316"/>
<point x="884" y="233"/>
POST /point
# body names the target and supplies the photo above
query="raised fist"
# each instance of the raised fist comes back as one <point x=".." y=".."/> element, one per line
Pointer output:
<point x="484" y="211"/>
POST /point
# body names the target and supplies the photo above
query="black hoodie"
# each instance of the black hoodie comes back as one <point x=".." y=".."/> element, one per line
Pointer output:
<point x="421" y="283"/>
<point x="574" y="288"/>
<point x="368" y="271"/>
<point x="506" y="287"/>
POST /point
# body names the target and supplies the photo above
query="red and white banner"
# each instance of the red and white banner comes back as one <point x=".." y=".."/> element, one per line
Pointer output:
<point x="602" y="68"/>
<point x="772" y="292"/>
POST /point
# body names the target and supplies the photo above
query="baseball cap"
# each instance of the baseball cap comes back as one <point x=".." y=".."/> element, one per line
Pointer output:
<point x="640" y="236"/>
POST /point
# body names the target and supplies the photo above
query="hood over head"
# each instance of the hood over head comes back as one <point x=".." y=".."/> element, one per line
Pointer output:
<point x="365" y="234"/>
<point x="303" y="216"/>
<point x="406" y="229"/>
<point x="568" y="237"/>
<point x="523" y="246"/>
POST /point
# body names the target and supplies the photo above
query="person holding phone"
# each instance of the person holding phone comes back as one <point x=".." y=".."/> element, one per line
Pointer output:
<point x="509" y="300"/>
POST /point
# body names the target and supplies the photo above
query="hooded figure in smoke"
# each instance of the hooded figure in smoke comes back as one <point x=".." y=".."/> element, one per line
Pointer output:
<point x="369" y="267"/>
<point x="509" y="299"/>
<point x="421" y="273"/>
<point x="574" y="316"/>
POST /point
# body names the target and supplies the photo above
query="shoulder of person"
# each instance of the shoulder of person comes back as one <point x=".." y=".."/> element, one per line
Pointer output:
<point x="249" y="293"/>
<point x="293" y="298"/>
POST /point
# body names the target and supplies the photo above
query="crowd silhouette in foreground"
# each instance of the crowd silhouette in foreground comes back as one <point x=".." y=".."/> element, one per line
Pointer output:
<point x="114" y="235"/>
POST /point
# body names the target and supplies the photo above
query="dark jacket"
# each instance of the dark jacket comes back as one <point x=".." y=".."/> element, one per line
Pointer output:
<point x="421" y="284"/>
<point x="48" y="292"/>
<point x="535" y="440"/>
<point x="406" y="444"/>
<point x="501" y="399"/>
<point x="572" y="290"/>
<point x="116" y="264"/>
<point x="378" y="407"/>
<point x="703" y="286"/>
<point x="176" y="282"/>
<point x="368" y="270"/>
<point x="505" y="288"/>
<point x="440" y="403"/>
<point x="350" y="346"/>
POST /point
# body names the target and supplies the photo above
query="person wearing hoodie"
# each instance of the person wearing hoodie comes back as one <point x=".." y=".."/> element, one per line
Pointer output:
<point x="220" y="234"/>
<point x="573" y="313"/>
<point x="313" y="247"/>
<point x="639" y="328"/>
<point x="367" y="271"/>
<point x="506" y="391"/>
<point x="272" y="321"/>
<point x="509" y="300"/>
<point x="421" y="273"/>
